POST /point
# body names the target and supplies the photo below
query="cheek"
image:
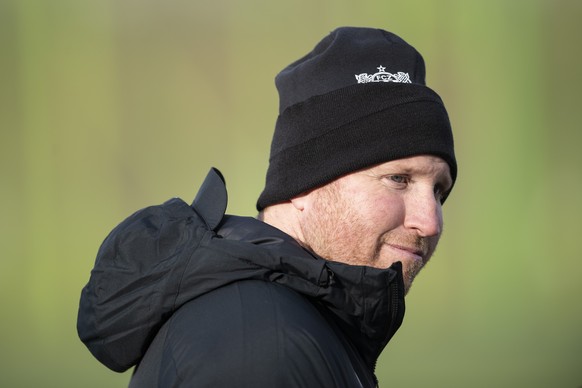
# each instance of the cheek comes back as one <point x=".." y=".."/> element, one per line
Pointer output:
<point x="386" y="210"/>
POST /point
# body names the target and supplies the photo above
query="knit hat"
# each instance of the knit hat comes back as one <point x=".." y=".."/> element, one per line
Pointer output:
<point x="356" y="100"/>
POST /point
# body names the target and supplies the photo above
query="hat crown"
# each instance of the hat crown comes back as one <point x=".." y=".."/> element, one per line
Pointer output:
<point x="347" y="56"/>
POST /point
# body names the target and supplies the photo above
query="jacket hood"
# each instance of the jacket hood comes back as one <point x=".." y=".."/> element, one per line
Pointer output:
<point x="166" y="255"/>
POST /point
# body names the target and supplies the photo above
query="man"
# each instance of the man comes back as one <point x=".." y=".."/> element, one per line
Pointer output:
<point x="310" y="293"/>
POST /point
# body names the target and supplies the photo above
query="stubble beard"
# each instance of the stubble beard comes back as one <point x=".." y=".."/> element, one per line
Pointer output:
<point x="330" y="234"/>
<point x="410" y="269"/>
<point x="409" y="272"/>
<point x="327" y="247"/>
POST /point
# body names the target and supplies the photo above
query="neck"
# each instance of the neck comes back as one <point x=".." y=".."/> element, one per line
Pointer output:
<point x="283" y="216"/>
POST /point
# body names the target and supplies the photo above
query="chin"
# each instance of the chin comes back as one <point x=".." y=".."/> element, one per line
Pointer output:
<point x="408" y="280"/>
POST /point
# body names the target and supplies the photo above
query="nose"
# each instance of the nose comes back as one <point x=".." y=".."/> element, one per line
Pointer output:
<point x="424" y="215"/>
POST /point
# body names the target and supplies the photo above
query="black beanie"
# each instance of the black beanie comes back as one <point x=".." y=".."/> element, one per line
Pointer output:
<point x="357" y="100"/>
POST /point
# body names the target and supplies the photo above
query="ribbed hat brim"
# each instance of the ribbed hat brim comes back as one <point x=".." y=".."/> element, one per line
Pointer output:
<point x="330" y="135"/>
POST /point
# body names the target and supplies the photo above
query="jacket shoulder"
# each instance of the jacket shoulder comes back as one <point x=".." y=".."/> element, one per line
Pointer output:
<point x="248" y="334"/>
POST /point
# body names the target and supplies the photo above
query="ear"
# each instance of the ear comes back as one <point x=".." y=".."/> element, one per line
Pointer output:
<point x="301" y="201"/>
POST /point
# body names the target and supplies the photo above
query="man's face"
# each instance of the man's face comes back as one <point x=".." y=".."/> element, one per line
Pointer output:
<point x="377" y="216"/>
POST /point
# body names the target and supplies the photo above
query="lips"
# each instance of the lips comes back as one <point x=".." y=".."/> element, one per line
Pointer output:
<point x="414" y="250"/>
<point x="408" y="250"/>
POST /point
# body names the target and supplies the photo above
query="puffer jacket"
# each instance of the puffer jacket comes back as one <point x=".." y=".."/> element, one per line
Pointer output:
<point x="197" y="298"/>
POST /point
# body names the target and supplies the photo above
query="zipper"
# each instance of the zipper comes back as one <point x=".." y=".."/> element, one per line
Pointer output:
<point x="395" y="297"/>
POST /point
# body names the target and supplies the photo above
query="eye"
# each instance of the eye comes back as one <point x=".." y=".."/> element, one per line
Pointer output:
<point x="399" y="179"/>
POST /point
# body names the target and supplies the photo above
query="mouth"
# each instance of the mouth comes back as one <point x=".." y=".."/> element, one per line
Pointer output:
<point x="407" y="251"/>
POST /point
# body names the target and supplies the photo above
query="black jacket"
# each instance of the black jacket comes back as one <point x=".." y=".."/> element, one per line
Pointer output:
<point x="198" y="298"/>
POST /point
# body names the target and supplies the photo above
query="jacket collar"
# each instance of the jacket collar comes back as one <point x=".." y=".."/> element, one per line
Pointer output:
<point x="366" y="303"/>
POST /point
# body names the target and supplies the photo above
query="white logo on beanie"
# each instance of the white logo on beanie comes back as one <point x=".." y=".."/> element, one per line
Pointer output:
<point x="383" y="76"/>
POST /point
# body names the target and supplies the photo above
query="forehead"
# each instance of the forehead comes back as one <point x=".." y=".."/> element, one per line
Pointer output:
<point x="428" y="167"/>
<point x="422" y="166"/>
<point x="428" y="164"/>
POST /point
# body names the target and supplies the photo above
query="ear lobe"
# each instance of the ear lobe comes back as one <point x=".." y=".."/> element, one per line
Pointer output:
<point x="299" y="202"/>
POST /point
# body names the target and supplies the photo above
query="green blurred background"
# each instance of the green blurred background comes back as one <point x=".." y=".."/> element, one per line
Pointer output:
<point x="107" y="106"/>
